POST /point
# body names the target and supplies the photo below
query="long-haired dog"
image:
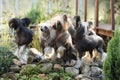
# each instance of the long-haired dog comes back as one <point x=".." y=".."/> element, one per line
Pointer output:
<point x="60" y="24"/>
<point x="88" y="42"/>
<point x="23" y="37"/>
<point x="63" y="38"/>
<point x="48" y="34"/>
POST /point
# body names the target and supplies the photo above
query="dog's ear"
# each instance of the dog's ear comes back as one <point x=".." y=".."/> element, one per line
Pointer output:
<point x="14" y="23"/>
<point x="65" y="18"/>
<point x="90" y="23"/>
<point x="26" y="21"/>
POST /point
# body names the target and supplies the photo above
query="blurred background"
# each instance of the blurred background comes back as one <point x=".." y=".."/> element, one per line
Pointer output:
<point x="19" y="8"/>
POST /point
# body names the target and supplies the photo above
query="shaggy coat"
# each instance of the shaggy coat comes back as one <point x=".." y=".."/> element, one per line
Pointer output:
<point x="63" y="38"/>
<point x="23" y="35"/>
<point x="60" y="25"/>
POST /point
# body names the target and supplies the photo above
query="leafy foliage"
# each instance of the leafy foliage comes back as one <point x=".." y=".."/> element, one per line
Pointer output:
<point x="36" y="39"/>
<point x="6" y="57"/>
<point x="36" y="14"/>
<point x="112" y="62"/>
<point x="29" y="70"/>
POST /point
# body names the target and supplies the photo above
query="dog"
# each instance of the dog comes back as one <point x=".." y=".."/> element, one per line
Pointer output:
<point x="63" y="38"/>
<point x="48" y="34"/>
<point x="23" y="37"/>
<point x="86" y="42"/>
<point x="68" y="54"/>
<point x="61" y="25"/>
<point x="88" y="29"/>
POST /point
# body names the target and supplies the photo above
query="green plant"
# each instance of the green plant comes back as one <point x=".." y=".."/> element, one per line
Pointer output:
<point x="6" y="58"/>
<point x="7" y="37"/>
<point x="112" y="63"/>
<point x="62" y="75"/>
<point x="29" y="70"/>
<point x="36" y="14"/>
<point x="117" y="19"/>
<point x="36" y="40"/>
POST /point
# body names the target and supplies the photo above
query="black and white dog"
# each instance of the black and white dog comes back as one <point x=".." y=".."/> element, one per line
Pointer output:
<point x="23" y="37"/>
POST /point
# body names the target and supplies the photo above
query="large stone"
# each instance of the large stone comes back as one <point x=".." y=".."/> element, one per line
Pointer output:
<point x="10" y="75"/>
<point x="15" y="68"/>
<point x="17" y="62"/>
<point x="96" y="71"/>
<point x="49" y="53"/>
<point x="46" y="67"/>
<point x="58" y="67"/>
<point x="35" y="53"/>
<point x="82" y="77"/>
<point x="72" y="70"/>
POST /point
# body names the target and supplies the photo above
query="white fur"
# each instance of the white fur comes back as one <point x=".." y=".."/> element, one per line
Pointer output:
<point x="22" y="54"/>
<point x="60" y="51"/>
<point x="78" y="64"/>
<point x="36" y="53"/>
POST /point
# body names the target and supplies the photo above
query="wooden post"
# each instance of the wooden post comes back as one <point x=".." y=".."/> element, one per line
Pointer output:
<point x="85" y="10"/>
<point x="76" y="7"/>
<point x="112" y="19"/>
<point x="96" y="13"/>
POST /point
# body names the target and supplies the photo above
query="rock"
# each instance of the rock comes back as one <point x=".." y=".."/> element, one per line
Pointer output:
<point x="25" y="66"/>
<point x="15" y="68"/>
<point x="79" y="77"/>
<point x="58" y="67"/>
<point x="72" y="70"/>
<point x="46" y="67"/>
<point x="96" y="71"/>
<point x="49" y="53"/>
<point x="10" y="75"/>
<point x="17" y="62"/>
<point x="82" y="77"/>
<point x="35" y="52"/>
<point x="86" y="79"/>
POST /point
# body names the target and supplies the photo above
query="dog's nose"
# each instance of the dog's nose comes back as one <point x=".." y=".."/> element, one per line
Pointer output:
<point x="41" y="29"/>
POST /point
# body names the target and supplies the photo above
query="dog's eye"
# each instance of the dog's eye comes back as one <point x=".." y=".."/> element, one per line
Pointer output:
<point x="46" y="27"/>
<point x="54" y="26"/>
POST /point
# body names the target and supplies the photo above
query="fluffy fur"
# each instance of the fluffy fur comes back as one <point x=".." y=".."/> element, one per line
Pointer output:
<point x="60" y="25"/>
<point x="48" y="35"/>
<point x="63" y="38"/>
<point x="23" y="37"/>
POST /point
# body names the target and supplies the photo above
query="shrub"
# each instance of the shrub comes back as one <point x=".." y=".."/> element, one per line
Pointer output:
<point x="112" y="63"/>
<point x="6" y="57"/>
<point x="36" y="14"/>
